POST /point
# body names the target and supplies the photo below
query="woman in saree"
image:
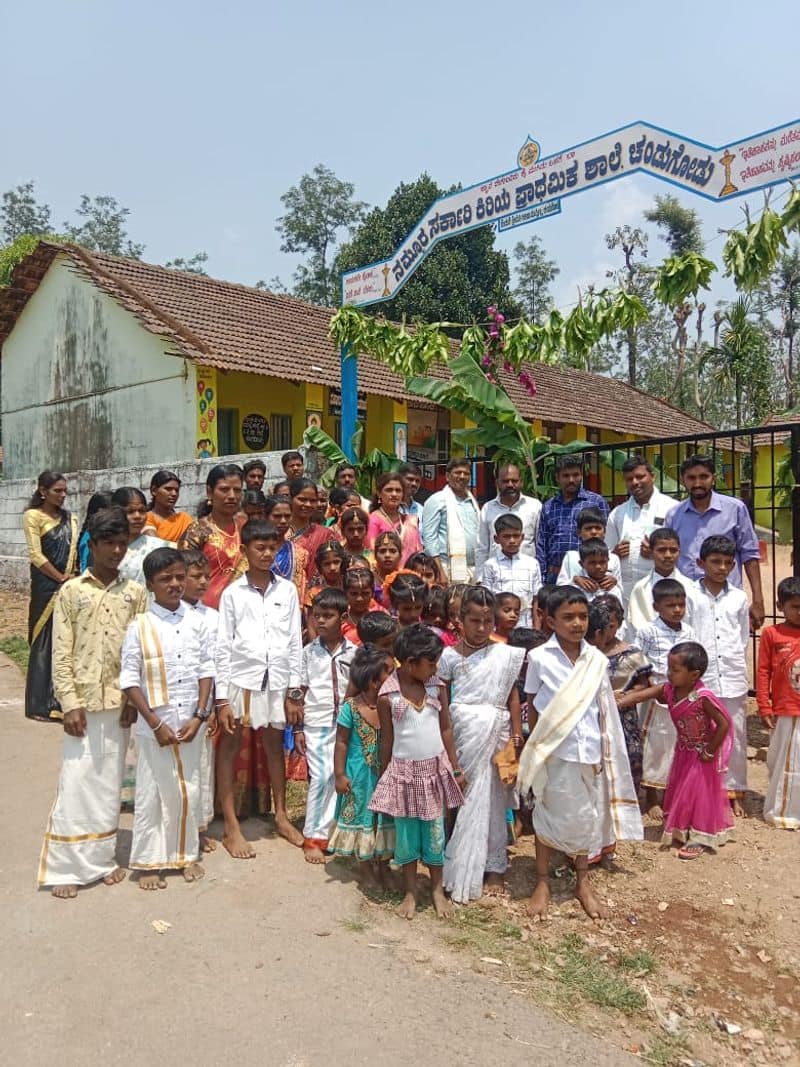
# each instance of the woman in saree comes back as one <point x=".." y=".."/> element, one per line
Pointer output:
<point x="169" y="524"/>
<point x="217" y="535"/>
<point x="51" y="534"/>
<point x="304" y="532"/>
<point x="386" y="517"/>
<point x="487" y="720"/>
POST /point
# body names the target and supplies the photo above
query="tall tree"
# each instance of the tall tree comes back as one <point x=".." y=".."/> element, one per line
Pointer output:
<point x="318" y="209"/>
<point x="21" y="213"/>
<point x="740" y="364"/>
<point x="783" y="299"/>
<point x="103" y="227"/>
<point x="534" y="273"/>
<point x="632" y="242"/>
<point x="195" y="264"/>
<point x="460" y="278"/>
<point x="680" y="226"/>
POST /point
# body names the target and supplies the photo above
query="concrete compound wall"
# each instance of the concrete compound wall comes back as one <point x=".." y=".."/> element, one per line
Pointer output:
<point x="14" y="495"/>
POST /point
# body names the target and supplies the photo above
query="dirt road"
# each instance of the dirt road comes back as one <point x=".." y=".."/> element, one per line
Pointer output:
<point x="265" y="962"/>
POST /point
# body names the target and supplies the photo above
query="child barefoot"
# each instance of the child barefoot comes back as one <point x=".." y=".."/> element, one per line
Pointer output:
<point x="575" y="759"/>
<point x="420" y="771"/>
<point x="194" y="589"/>
<point x="779" y="707"/>
<point x="359" y="832"/>
<point x="486" y="715"/>
<point x="697" y="814"/>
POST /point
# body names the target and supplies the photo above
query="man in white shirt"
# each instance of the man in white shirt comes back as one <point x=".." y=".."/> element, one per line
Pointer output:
<point x="721" y="619"/>
<point x="630" y="524"/>
<point x="509" y="500"/>
<point x="167" y="673"/>
<point x="259" y="663"/>
<point x="450" y="523"/>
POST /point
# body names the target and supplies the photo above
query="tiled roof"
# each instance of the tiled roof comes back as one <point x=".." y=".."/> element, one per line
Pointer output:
<point x="236" y="328"/>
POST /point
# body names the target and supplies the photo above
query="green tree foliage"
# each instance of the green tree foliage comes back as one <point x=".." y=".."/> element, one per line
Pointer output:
<point x="534" y="273"/>
<point x="195" y="264"/>
<point x="21" y="213"/>
<point x="740" y="364"/>
<point x="679" y="226"/>
<point x="318" y="209"/>
<point x="633" y="279"/>
<point x="460" y="278"/>
<point x="102" y="227"/>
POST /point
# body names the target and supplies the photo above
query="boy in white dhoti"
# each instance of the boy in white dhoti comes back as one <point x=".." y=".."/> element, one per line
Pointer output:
<point x="194" y="589"/>
<point x="259" y="660"/>
<point x="167" y="673"/>
<point x="575" y="760"/>
<point x="324" y="681"/>
<point x="90" y="617"/>
<point x="778" y="689"/>
<point x="720" y="616"/>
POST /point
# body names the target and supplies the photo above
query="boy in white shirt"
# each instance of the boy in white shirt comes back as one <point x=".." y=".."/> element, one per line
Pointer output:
<point x="656" y="641"/>
<point x="721" y="619"/>
<point x="167" y="673"/>
<point x="509" y="570"/>
<point x="665" y="547"/>
<point x="324" y="679"/>
<point x="259" y="660"/>
<point x="591" y="524"/>
<point x="575" y="752"/>
<point x="194" y="589"/>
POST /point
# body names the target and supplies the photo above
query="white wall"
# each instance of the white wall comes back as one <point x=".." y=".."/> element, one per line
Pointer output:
<point x="85" y="386"/>
<point x="14" y="495"/>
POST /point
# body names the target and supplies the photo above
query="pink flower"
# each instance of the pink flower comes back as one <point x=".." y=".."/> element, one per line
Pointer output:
<point x="493" y="331"/>
<point x="491" y="311"/>
<point x="500" y="318"/>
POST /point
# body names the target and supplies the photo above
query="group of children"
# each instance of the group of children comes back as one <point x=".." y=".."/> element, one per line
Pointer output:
<point x="426" y="713"/>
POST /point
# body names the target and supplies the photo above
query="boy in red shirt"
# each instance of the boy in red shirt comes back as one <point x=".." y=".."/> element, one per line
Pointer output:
<point x="778" y="695"/>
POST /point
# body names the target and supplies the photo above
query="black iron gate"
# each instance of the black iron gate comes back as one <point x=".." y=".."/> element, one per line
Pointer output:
<point x="758" y="464"/>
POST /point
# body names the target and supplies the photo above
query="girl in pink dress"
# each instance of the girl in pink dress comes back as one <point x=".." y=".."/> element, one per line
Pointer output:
<point x="697" y="813"/>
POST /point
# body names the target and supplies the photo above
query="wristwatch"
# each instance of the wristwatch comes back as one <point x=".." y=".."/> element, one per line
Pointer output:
<point x="294" y="694"/>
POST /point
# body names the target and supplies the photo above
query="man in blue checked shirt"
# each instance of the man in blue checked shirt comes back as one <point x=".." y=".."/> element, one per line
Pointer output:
<point x="558" y="531"/>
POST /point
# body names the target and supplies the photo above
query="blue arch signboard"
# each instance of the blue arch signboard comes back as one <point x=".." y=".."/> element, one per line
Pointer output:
<point x="536" y="187"/>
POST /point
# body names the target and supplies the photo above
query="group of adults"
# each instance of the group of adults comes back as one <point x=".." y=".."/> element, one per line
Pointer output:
<point x="451" y="526"/>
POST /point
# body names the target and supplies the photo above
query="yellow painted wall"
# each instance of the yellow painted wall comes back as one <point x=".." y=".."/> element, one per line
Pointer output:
<point x="255" y="394"/>
<point x="765" y="473"/>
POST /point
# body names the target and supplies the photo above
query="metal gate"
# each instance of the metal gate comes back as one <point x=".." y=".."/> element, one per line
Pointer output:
<point x="758" y="464"/>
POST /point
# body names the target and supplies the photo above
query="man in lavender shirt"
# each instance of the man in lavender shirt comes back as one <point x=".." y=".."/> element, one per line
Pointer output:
<point x="706" y="514"/>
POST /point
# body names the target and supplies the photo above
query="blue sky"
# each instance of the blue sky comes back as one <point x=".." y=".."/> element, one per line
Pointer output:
<point x="197" y="116"/>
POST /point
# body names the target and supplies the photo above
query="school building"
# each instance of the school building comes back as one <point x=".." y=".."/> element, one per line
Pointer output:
<point x="114" y="363"/>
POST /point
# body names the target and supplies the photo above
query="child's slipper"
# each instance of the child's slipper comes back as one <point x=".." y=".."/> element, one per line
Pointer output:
<point x="691" y="852"/>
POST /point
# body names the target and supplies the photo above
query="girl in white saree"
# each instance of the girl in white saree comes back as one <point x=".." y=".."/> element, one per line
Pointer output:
<point x="485" y="712"/>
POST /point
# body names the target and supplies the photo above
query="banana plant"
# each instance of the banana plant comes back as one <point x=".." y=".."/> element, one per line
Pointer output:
<point x="368" y="468"/>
